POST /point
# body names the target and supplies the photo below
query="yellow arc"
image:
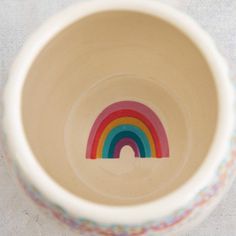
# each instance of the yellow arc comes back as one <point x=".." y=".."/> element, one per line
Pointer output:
<point x="125" y="121"/>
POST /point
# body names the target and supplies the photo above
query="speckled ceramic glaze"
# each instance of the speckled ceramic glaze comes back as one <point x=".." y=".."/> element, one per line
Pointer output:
<point x="169" y="214"/>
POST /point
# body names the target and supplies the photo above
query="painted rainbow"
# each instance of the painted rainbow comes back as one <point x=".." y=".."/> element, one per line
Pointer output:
<point x="127" y="123"/>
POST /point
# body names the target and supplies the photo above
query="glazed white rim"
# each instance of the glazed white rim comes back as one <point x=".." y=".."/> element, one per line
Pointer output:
<point x="20" y="149"/>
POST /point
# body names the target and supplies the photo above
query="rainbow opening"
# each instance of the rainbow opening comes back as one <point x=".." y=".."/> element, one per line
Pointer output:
<point x="127" y="123"/>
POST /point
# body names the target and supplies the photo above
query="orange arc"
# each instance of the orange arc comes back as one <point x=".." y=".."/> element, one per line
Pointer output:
<point x="124" y="121"/>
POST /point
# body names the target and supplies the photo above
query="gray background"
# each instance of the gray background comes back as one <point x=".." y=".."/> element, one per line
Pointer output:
<point x="19" y="18"/>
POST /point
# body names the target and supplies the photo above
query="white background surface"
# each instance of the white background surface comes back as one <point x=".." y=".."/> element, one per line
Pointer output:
<point x="19" y="18"/>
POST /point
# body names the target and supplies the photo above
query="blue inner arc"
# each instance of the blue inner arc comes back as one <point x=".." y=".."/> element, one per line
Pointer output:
<point x="126" y="131"/>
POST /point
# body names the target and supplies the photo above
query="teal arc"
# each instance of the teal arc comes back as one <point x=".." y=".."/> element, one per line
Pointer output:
<point x="126" y="131"/>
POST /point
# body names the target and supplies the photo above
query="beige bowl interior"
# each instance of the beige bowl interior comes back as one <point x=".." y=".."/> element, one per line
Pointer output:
<point x="103" y="59"/>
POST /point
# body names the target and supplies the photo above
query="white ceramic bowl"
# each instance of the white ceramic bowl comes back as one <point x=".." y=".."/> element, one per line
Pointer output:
<point x="119" y="39"/>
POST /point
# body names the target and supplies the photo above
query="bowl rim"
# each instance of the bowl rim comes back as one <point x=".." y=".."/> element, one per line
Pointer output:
<point x="22" y="154"/>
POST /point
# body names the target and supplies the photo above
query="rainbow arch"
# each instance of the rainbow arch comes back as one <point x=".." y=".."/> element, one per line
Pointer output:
<point x="127" y="123"/>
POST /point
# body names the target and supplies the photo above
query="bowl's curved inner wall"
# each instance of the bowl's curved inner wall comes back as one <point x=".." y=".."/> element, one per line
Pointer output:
<point x="106" y="58"/>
